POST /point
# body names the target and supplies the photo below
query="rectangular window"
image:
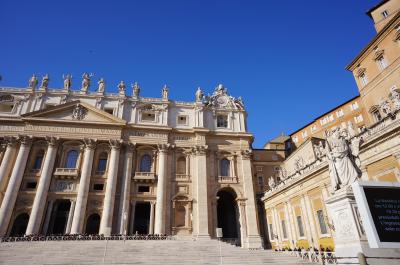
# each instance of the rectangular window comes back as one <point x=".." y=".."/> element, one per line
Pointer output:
<point x="354" y="106"/>
<point x="271" y="232"/>
<point x="98" y="186"/>
<point x="182" y="120"/>
<point x="109" y="110"/>
<point x="385" y="14"/>
<point x="260" y="181"/>
<point x="148" y="116"/>
<point x="339" y="113"/>
<point x="31" y="185"/>
<point x="295" y="139"/>
<point x="284" y="229"/>
<point x="102" y="165"/>
<point x="143" y="188"/>
<point x="222" y="121"/>
<point x="304" y="134"/>
<point x="358" y="118"/>
<point x="364" y="79"/>
<point x="330" y="117"/>
<point x="321" y="220"/>
<point x="300" y="225"/>
<point x="313" y="128"/>
<point x="6" y="107"/>
<point x="381" y="63"/>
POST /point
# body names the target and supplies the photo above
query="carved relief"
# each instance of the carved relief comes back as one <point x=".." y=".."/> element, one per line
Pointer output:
<point x="79" y="112"/>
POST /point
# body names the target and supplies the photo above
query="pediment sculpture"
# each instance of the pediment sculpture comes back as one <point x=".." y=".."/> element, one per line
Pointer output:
<point x="79" y="112"/>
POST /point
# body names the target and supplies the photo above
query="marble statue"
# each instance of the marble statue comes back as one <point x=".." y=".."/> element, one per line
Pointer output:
<point x="199" y="95"/>
<point x="385" y="107"/>
<point x="395" y="97"/>
<point x="101" y="86"/>
<point x="299" y="163"/>
<point x="86" y="82"/>
<point x="319" y="150"/>
<point x="45" y="81"/>
<point x="33" y="81"/>
<point x="67" y="81"/>
<point x="121" y="88"/>
<point x="165" y="92"/>
<point x="343" y="170"/>
<point x="271" y="182"/>
<point x="136" y="90"/>
<point x="350" y="130"/>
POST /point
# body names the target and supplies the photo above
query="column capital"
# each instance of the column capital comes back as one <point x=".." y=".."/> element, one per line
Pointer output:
<point x="10" y="141"/>
<point x="90" y="143"/>
<point x="52" y="141"/>
<point x="25" y="139"/>
<point x="153" y="202"/>
<point x="246" y="154"/>
<point x="130" y="147"/>
<point x="163" y="148"/>
<point x="115" y="144"/>
<point x="200" y="149"/>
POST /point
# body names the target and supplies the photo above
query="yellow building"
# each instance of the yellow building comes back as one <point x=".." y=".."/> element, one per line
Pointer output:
<point x="299" y="185"/>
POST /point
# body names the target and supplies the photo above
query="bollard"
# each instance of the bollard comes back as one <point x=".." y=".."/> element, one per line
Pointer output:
<point x="362" y="259"/>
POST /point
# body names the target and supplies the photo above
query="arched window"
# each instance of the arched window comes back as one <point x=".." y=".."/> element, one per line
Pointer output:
<point x="145" y="163"/>
<point x="93" y="224"/>
<point x="376" y="114"/>
<point x="181" y="166"/>
<point x="102" y="163"/>
<point x="225" y="167"/>
<point x="72" y="158"/>
<point x="38" y="160"/>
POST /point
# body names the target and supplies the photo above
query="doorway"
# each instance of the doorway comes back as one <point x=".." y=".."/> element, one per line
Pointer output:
<point x="59" y="217"/>
<point x="228" y="217"/>
<point x="142" y="218"/>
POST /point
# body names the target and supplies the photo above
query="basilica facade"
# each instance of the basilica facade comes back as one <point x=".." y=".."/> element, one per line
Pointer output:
<point x="76" y="162"/>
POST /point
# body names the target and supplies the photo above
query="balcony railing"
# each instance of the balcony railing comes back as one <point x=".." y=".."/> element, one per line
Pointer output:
<point x="225" y="179"/>
<point x="182" y="177"/>
<point x="144" y="176"/>
<point x="66" y="173"/>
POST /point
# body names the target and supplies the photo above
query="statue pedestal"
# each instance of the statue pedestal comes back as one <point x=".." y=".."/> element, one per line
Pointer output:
<point x="349" y="234"/>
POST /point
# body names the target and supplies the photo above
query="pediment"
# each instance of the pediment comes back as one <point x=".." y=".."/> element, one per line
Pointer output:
<point x="74" y="111"/>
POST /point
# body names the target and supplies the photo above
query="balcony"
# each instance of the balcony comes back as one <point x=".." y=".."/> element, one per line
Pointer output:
<point x="66" y="173"/>
<point x="144" y="177"/>
<point x="227" y="179"/>
<point x="32" y="173"/>
<point x="182" y="177"/>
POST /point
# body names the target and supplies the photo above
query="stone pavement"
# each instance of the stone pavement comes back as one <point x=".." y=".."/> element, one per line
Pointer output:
<point x="171" y="252"/>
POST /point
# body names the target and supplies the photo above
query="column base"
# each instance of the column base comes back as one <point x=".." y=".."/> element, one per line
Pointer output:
<point x="203" y="237"/>
<point x="252" y="242"/>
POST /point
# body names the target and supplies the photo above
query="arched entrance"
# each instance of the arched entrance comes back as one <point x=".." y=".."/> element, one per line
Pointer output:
<point x="93" y="224"/>
<point x="59" y="217"/>
<point x="20" y="225"/>
<point x="228" y="217"/>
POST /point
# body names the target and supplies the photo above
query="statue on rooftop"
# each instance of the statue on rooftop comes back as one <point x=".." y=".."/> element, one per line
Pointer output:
<point x="395" y="97"/>
<point x="86" y="82"/>
<point x="136" y="90"/>
<point x="121" y="88"/>
<point x="33" y="81"/>
<point x="199" y="95"/>
<point x="164" y="92"/>
<point x="45" y="81"/>
<point x="101" y="86"/>
<point x="67" y="81"/>
<point x="385" y="107"/>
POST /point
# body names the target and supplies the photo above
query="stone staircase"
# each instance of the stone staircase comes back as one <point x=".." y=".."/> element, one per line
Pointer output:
<point x="171" y="252"/>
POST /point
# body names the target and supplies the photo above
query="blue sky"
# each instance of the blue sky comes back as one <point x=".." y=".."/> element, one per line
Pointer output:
<point x="285" y="58"/>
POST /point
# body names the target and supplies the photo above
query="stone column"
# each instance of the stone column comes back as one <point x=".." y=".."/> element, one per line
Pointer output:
<point x="159" y="226"/>
<point x="109" y="197"/>
<point x="47" y="218"/>
<point x="37" y="212"/>
<point x="126" y="190"/>
<point x="83" y="191"/>
<point x="253" y="236"/>
<point x="243" y="225"/>
<point x="187" y="164"/>
<point x="200" y="161"/>
<point x="151" y="229"/>
<point x="311" y="221"/>
<point x="7" y="163"/>
<point x="70" y="216"/>
<point x="14" y="184"/>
